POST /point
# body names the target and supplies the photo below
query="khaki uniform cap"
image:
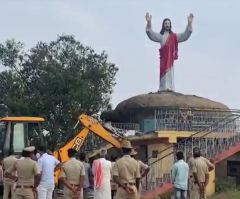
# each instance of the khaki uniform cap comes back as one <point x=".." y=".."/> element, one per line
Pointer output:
<point x="126" y="144"/>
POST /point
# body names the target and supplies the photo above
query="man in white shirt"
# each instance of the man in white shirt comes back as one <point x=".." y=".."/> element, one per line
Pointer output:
<point x="47" y="165"/>
<point x="180" y="172"/>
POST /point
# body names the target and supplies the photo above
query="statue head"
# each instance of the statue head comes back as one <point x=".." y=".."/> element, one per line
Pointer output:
<point x="166" y="26"/>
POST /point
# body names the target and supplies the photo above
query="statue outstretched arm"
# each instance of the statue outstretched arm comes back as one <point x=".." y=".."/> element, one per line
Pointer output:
<point x="150" y="33"/>
<point x="181" y="37"/>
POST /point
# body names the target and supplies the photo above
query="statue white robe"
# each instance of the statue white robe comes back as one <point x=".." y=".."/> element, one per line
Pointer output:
<point x="167" y="81"/>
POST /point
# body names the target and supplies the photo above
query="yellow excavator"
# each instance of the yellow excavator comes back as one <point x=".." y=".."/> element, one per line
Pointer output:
<point x="19" y="132"/>
<point x="89" y="125"/>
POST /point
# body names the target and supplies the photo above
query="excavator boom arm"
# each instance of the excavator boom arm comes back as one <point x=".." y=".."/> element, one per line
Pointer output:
<point x="95" y="127"/>
<point x="90" y="124"/>
<point x="75" y="143"/>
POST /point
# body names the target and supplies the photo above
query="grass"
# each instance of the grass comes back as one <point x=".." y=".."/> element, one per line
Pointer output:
<point x="225" y="189"/>
<point x="230" y="194"/>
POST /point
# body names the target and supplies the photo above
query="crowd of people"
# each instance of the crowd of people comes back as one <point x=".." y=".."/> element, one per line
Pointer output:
<point x="32" y="175"/>
<point x="191" y="178"/>
<point x="120" y="178"/>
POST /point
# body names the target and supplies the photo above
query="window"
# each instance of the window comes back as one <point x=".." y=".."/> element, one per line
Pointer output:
<point x="233" y="168"/>
<point x="18" y="137"/>
<point x="154" y="154"/>
<point x="34" y="135"/>
<point x="2" y="132"/>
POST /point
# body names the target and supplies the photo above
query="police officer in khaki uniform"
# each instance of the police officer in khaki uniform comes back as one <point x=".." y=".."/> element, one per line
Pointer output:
<point x="126" y="173"/>
<point x="144" y="168"/>
<point x="8" y="183"/>
<point x="72" y="176"/>
<point x="191" y="182"/>
<point x="199" y="175"/>
<point x="28" y="175"/>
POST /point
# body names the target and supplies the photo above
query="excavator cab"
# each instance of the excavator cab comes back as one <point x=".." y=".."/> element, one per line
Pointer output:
<point x="19" y="132"/>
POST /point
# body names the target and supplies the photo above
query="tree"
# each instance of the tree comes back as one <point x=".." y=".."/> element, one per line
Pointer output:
<point x="58" y="81"/>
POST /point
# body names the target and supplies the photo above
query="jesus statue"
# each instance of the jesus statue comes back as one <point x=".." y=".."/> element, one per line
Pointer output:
<point x="169" y="48"/>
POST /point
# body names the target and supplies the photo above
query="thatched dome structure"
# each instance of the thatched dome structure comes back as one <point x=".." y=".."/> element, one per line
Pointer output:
<point x="144" y="103"/>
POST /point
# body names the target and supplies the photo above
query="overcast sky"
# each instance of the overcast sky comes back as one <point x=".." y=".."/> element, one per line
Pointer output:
<point x="208" y="63"/>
